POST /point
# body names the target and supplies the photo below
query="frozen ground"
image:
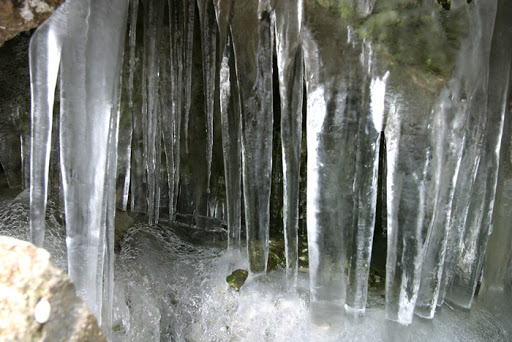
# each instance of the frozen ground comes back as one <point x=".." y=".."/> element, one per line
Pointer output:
<point x="170" y="289"/>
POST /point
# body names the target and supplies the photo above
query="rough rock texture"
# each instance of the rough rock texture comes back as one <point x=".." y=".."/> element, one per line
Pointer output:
<point x="28" y="278"/>
<point x="21" y="15"/>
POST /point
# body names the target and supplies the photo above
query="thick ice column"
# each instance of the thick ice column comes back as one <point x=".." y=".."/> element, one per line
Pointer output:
<point x="463" y="200"/>
<point x="252" y="39"/>
<point x="499" y="250"/>
<point x="189" y="10"/>
<point x="209" y="45"/>
<point x="45" y="55"/>
<point x="177" y="43"/>
<point x="288" y="17"/>
<point x="153" y="18"/>
<point x="231" y="142"/>
<point x="89" y="73"/>
<point x="372" y="120"/>
<point x="468" y="267"/>
<point x="448" y="123"/>
<point x="167" y="119"/>
<point x="107" y="277"/>
<point x="127" y="108"/>
<point x="451" y="115"/>
<point x="408" y="149"/>
<point x="334" y="118"/>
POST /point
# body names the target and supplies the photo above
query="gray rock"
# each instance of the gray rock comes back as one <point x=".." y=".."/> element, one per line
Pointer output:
<point x="38" y="301"/>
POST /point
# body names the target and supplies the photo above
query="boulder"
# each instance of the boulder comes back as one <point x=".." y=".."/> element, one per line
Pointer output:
<point x="38" y="301"/>
<point x="21" y="15"/>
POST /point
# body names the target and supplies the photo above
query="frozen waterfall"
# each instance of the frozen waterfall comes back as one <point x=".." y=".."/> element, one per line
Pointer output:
<point x="177" y="110"/>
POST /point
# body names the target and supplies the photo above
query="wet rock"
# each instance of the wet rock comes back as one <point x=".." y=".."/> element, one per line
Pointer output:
<point x="21" y="15"/>
<point x="237" y="279"/>
<point x="37" y="300"/>
<point x="276" y="255"/>
<point x="123" y="222"/>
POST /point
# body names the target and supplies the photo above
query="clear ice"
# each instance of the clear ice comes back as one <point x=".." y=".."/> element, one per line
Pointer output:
<point x="422" y="129"/>
<point x="78" y="36"/>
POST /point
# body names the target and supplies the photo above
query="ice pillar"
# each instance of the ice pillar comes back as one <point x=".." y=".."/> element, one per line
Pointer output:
<point x="252" y="39"/>
<point x="290" y="67"/>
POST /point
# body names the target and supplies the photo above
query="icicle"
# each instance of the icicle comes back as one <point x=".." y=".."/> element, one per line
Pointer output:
<point x="367" y="177"/>
<point x="450" y="118"/>
<point x="408" y="200"/>
<point x="468" y="267"/>
<point x="335" y="139"/>
<point x="137" y="176"/>
<point x="231" y="141"/>
<point x="89" y="74"/>
<point x="231" y="125"/>
<point x="167" y="115"/>
<point x="176" y="27"/>
<point x="153" y="22"/>
<point x="25" y="159"/>
<point x="252" y="39"/>
<point x="209" y="46"/>
<point x="189" y="9"/>
<point x="126" y="120"/>
<point x="290" y="63"/>
<point x="45" y="55"/>
<point x="106" y="278"/>
<point x="463" y="200"/>
<point x="499" y="249"/>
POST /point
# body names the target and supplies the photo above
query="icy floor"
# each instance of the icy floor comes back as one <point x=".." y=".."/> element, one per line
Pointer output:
<point x="169" y="289"/>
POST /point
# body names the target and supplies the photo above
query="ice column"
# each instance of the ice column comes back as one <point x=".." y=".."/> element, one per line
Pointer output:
<point x="499" y="249"/>
<point x="127" y="109"/>
<point x="368" y="145"/>
<point x="89" y="74"/>
<point x="153" y="17"/>
<point x="337" y="116"/>
<point x="252" y="39"/>
<point x="290" y="67"/>
<point x="468" y="267"/>
<point x="231" y="123"/>
<point x="451" y="115"/>
<point x="408" y="152"/>
<point x="189" y="9"/>
<point x="209" y="46"/>
<point x="167" y="115"/>
<point x="44" y="54"/>
<point x="177" y="44"/>
<point x="472" y="151"/>
<point x="138" y="182"/>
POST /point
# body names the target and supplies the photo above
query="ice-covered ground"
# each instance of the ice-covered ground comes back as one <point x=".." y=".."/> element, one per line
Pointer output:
<point x="170" y="289"/>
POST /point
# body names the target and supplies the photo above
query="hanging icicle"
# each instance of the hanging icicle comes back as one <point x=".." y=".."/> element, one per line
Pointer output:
<point x="252" y="34"/>
<point x="288" y="17"/>
<point x="87" y="127"/>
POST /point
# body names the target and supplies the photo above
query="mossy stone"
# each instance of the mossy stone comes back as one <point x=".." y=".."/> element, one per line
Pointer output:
<point x="237" y="279"/>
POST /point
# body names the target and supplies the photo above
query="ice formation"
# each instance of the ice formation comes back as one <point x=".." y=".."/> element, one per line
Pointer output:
<point x="428" y="83"/>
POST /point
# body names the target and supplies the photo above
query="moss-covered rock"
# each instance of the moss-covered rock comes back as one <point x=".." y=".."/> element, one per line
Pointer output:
<point x="421" y="36"/>
<point x="376" y="278"/>
<point x="237" y="279"/>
